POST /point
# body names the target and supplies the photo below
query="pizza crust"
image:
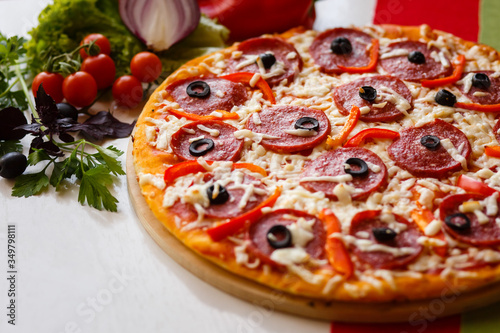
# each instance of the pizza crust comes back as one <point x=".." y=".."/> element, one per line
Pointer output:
<point x="366" y="287"/>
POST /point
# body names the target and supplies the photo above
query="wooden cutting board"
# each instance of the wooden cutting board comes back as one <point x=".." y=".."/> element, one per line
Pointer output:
<point x="273" y="300"/>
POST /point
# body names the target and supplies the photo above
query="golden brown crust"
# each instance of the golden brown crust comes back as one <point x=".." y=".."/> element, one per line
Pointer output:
<point x="149" y="160"/>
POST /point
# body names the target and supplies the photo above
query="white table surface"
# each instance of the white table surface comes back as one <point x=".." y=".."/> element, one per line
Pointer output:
<point x="82" y="270"/>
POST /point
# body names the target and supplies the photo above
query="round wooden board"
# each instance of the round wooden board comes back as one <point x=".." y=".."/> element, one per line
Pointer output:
<point x="302" y="306"/>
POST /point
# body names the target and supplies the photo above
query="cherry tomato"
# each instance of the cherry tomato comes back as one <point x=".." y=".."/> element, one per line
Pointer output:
<point x="52" y="84"/>
<point x="102" y="68"/>
<point x="146" y="66"/>
<point x="101" y="41"/>
<point x="80" y="89"/>
<point x="127" y="91"/>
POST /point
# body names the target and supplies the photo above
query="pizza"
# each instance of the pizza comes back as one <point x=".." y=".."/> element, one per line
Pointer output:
<point x="354" y="164"/>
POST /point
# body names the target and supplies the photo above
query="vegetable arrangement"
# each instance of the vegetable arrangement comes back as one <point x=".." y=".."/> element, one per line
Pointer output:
<point x="73" y="60"/>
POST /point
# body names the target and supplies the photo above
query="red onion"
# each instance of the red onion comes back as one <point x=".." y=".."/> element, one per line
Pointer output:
<point x="160" y="23"/>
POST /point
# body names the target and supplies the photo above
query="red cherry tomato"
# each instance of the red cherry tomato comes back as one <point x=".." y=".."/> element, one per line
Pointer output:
<point x="100" y="40"/>
<point x="52" y="84"/>
<point x="146" y="66"/>
<point x="80" y="89"/>
<point x="102" y="68"/>
<point x="127" y="91"/>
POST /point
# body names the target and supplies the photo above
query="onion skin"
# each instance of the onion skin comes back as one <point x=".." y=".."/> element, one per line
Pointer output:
<point x="160" y="23"/>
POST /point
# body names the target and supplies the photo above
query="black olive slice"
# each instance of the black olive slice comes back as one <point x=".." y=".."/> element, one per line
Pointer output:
<point x="268" y="59"/>
<point x="362" y="167"/>
<point x="198" y="89"/>
<point x="416" y="57"/>
<point x="384" y="234"/>
<point x="458" y="222"/>
<point x="341" y="45"/>
<point x="222" y="195"/>
<point x="201" y="147"/>
<point x="307" y="123"/>
<point x="368" y="93"/>
<point x="481" y="81"/>
<point x="430" y="142"/>
<point x="446" y="98"/>
<point x="279" y="237"/>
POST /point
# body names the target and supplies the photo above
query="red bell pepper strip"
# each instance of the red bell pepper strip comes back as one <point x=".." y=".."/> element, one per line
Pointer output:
<point x="423" y="217"/>
<point x="251" y="167"/>
<point x="454" y="77"/>
<point x="245" y="77"/>
<point x="478" y="107"/>
<point x="492" y="151"/>
<point x="475" y="186"/>
<point x="371" y="65"/>
<point x="338" y="256"/>
<point x="234" y="225"/>
<point x="371" y="133"/>
<point x="189" y="167"/>
<point x="182" y="169"/>
<point x="195" y="117"/>
<point x="349" y="125"/>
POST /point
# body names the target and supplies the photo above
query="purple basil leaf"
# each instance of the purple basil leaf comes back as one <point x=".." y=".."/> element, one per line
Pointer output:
<point x="65" y="137"/>
<point x="10" y="119"/>
<point x="49" y="147"/>
<point x="47" y="109"/>
<point x="103" y="124"/>
<point x="33" y="128"/>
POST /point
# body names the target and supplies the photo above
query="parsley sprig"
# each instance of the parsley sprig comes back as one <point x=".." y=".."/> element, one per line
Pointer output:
<point x="94" y="172"/>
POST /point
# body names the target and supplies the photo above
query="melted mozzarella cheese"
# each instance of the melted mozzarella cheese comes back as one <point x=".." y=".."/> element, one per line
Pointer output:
<point x="454" y="152"/>
<point x="301" y="132"/>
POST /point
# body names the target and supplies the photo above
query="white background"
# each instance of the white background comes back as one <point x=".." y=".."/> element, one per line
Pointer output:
<point x="82" y="270"/>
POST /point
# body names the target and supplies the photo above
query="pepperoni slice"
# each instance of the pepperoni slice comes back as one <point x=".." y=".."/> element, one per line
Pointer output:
<point x="486" y="234"/>
<point x="332" y="164"/>
<point x="230" y="208"/>
<point x="480" y="95"/>
<point x="257" y="234"/>
<point x="327" y="60"/>
<point x="410" y="154"/>
<point x="280" y="122"/>
<point x="364" y="222"/>
<point x="401" y="67"/>
<point x="496" y="130"/>
<point x="285" y="54"/>
<point x="225" y="146"/>
<point x="348" y="95"/>
<point x="223" y="95"/>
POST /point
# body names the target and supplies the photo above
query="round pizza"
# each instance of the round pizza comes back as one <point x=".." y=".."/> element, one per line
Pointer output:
<point x="356" y="164"/>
